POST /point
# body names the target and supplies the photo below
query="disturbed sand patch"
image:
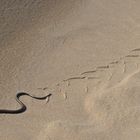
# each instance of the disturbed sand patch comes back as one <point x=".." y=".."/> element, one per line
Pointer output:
<point x="111" y="103"/>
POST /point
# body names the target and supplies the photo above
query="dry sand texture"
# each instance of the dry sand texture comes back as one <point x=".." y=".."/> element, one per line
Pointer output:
<point x="85" y="53"/>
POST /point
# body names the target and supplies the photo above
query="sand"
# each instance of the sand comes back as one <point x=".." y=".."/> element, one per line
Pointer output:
<point x="85" y="53"/>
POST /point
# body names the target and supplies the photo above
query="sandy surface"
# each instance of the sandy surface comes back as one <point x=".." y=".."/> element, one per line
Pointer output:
<point x="86" y="54"/>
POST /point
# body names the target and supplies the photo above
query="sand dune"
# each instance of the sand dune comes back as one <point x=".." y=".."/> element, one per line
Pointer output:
<point x="86" y="54"/>
<point x="112" y="109"/>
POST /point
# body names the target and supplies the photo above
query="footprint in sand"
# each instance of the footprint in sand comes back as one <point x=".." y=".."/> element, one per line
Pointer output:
<point x="115" y="106"/>
<point x="110" y="100"/>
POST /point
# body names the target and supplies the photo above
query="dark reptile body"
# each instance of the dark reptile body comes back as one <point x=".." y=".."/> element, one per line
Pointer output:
<point x="23" y="106"/>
